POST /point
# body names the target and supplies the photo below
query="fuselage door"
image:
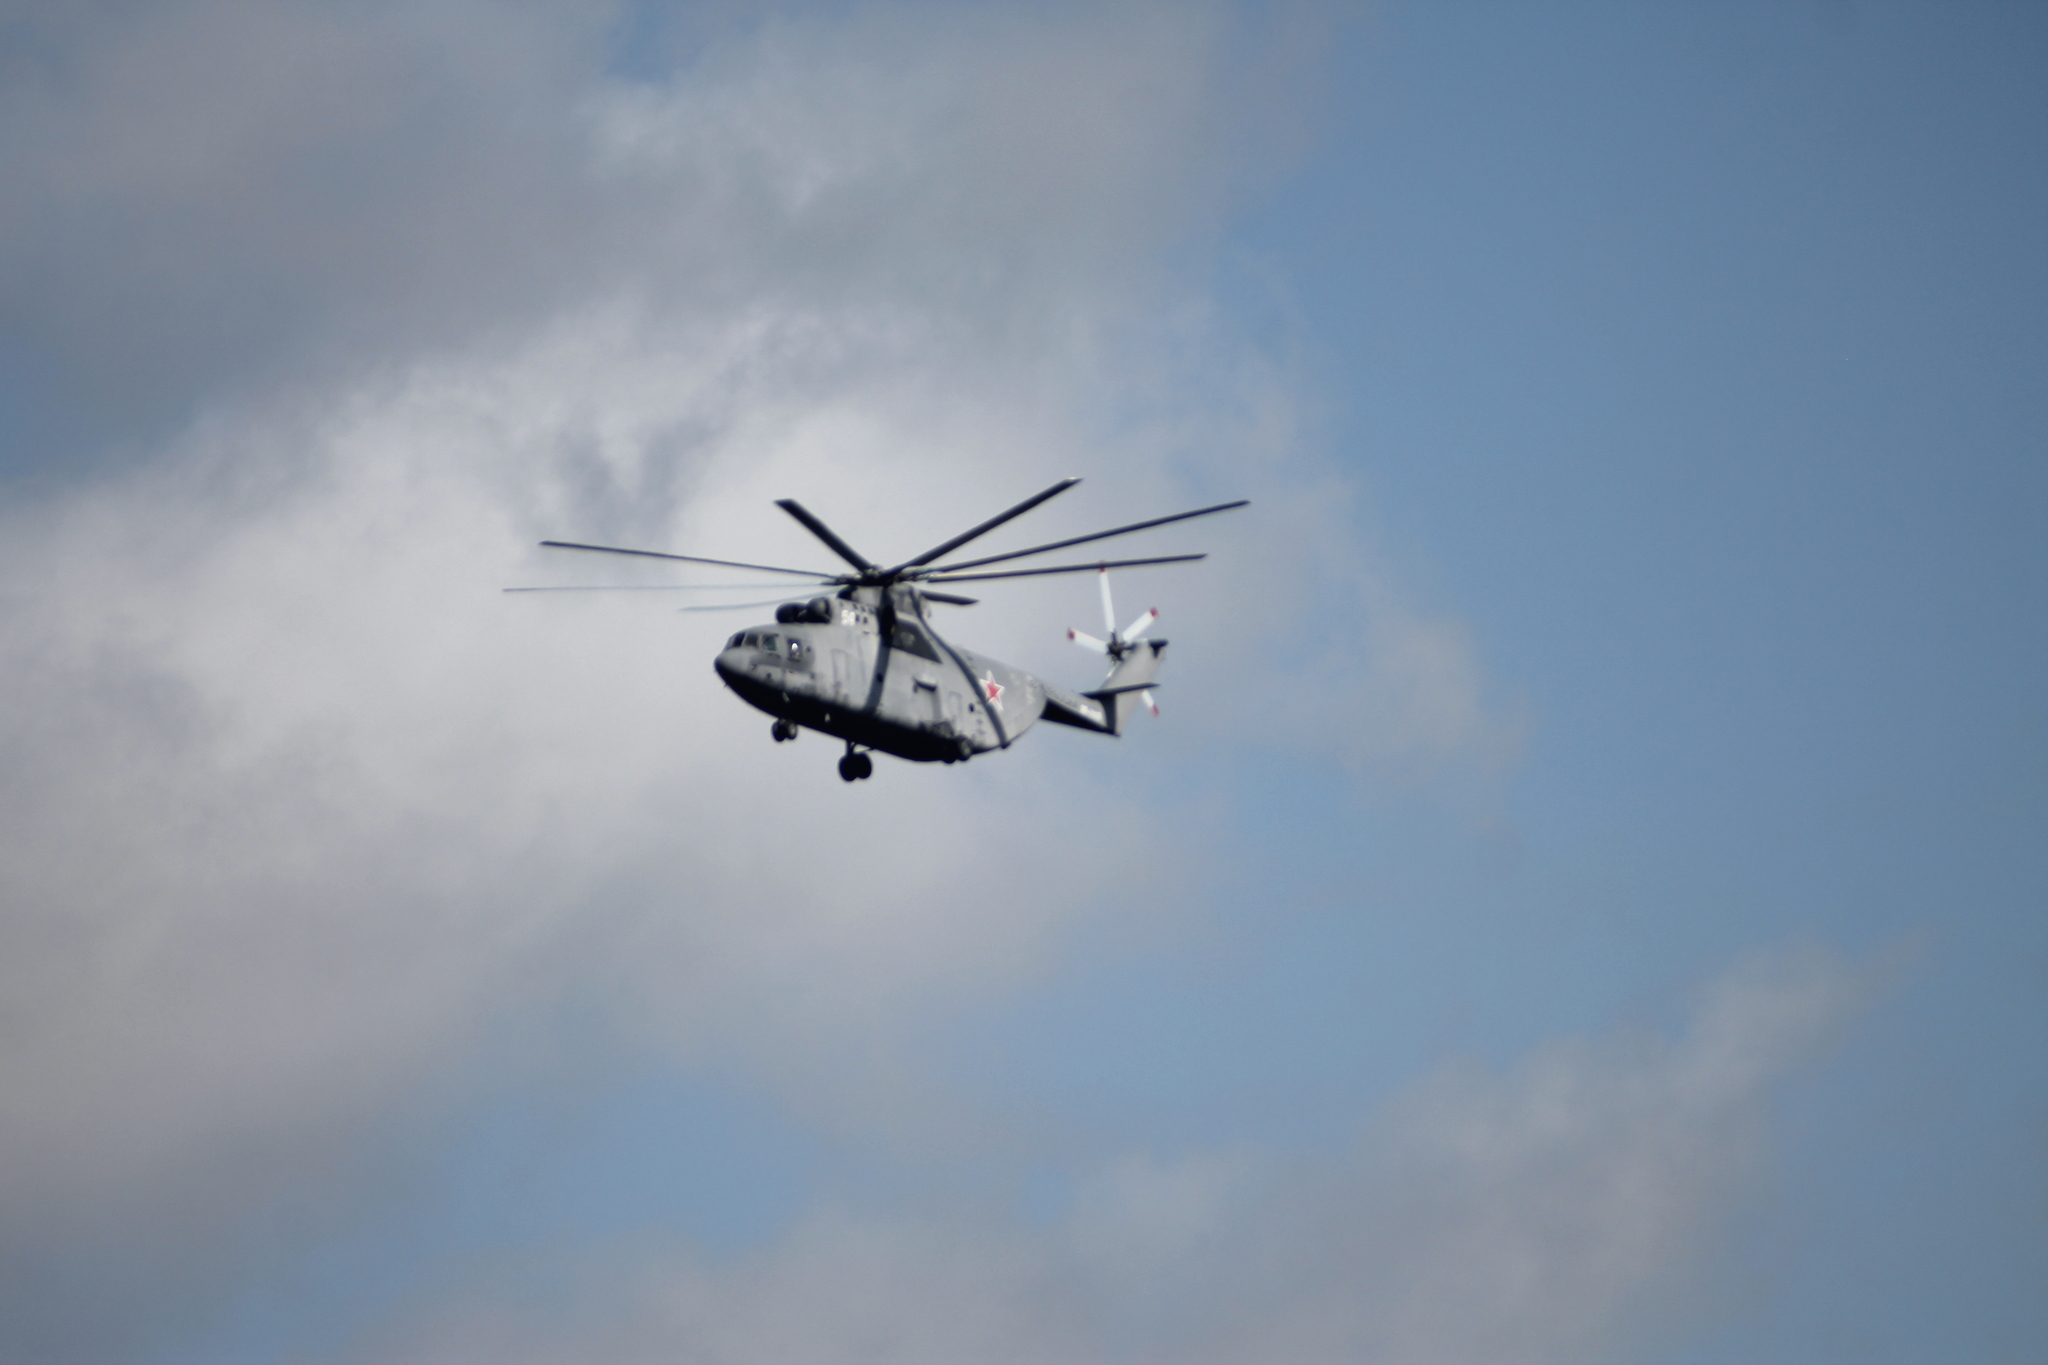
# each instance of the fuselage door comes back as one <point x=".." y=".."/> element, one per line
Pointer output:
<point x="928" y="706"/>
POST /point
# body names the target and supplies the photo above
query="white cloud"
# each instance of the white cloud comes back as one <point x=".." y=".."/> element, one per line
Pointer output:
<point x="298" y="808"/>
<point x="1568" y="1209"/>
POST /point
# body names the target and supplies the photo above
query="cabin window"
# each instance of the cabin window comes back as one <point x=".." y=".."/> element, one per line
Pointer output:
<point x="911" y="640"/>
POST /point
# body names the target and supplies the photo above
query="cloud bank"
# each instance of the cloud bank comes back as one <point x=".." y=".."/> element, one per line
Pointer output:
<point x="1559" y="1211"/>
<point x="331" y="312"/>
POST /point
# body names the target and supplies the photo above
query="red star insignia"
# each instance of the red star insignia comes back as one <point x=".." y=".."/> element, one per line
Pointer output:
<point x="993" y="688"/>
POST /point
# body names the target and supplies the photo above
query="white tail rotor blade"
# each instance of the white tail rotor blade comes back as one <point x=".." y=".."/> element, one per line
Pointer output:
<point x="1087" y="642"/>
<point x="1108" y="608"/>
<point x="1151" y="705"/>
<point x="1141" y="625"/>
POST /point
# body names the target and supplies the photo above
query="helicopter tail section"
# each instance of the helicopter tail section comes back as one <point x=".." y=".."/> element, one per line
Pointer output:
<point x="1130" y="685"/>
<point x="1106" y="708"/>
<point x="1083" y="713"/>
<point x="1136" y="671"/>
<point x="1133" y="660"/>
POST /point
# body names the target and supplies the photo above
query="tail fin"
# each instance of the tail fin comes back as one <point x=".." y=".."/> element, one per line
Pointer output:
<point x="1120" y="693"/>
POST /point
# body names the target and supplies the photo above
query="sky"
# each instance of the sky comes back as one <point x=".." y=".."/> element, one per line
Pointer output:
<point x="1582" y="898"/>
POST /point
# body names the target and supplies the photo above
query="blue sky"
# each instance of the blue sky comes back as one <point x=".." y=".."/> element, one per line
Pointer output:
<point x="1583" y="897"/>
<point x="1697" y="357"/>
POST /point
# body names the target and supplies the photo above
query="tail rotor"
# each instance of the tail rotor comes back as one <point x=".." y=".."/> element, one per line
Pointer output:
<point x="1120" y="642"/>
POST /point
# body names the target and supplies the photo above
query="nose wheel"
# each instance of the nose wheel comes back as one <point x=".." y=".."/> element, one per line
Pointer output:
<point x="783" y="729"/>
<point x="854" y="767"/>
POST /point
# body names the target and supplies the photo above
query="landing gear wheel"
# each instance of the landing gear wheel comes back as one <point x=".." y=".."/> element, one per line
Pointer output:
<point x="854" y="767"/>
<point x="847" y="772"/>
<point x="783" y="729"/>
<point x="863" y="766"/>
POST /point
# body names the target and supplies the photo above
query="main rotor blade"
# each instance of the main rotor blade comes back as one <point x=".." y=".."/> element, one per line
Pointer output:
<point x="949" y="599"/>
<point x="686" y="559"/>
<point x="826" y="534"/>
<point x="661" y="587"/>
<point x="1064" y="568"/>
<point x="997" y="520"/>
<point x="1083" y="540"/>
<point x="743" y="606"/>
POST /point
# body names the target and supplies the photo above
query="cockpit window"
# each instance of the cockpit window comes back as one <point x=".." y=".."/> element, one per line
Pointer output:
<point x="736" y="641"/>
<point x="750" y="638"/>
<point x="771" y="642"/>
<point x="911" y="640"/>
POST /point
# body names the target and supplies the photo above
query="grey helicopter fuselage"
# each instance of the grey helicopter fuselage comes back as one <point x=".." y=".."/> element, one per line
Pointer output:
<point x="863" y="667"/>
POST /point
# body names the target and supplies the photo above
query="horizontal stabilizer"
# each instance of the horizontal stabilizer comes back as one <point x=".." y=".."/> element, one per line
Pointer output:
<point x="1104" y="709"/>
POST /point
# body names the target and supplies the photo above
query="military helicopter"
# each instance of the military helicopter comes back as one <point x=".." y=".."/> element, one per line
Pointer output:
<point x="864" y="665"/>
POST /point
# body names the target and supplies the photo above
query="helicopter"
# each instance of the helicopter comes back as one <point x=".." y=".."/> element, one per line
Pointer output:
<point x="865" y="665"/>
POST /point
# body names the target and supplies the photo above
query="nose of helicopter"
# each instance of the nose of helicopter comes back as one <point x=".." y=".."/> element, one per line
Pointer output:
<point x="750" y="657"/>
